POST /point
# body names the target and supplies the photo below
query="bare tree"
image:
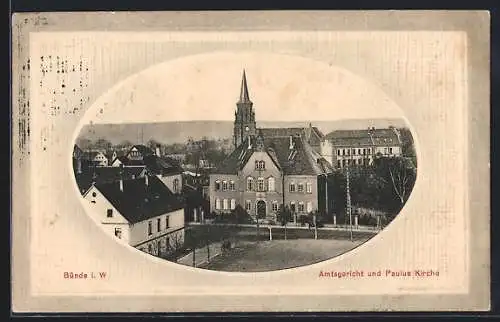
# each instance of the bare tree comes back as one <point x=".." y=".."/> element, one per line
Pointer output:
<point x="401" y="174"/>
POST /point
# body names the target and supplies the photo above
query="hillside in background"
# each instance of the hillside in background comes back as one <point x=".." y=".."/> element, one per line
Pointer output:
<point x="179" y="132"/>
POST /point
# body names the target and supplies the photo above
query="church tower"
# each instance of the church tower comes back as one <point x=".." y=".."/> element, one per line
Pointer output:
<point x="244" y="117"/>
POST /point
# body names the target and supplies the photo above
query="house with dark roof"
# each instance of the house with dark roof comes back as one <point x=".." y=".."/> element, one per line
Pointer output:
<point x="360" y="147"/>
<point x="141" y="212"/>
<point x="168" y="170"/>
<point x="100" y="175"/>
<point x="266" y="172"/>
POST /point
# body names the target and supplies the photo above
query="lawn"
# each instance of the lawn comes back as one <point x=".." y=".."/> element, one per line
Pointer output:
<point x="272" y="255"/>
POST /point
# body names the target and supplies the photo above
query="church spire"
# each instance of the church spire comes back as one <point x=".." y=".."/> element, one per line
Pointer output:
<point x="244" y="97"/>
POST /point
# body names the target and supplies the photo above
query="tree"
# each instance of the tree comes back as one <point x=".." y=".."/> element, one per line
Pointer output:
<point x="102" y="144"/>
<point x="400" y="173"/>
<point x="152" y="144"/>
<point x="284" y="216"/>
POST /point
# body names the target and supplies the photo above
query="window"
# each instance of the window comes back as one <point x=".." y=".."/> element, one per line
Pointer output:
<point x="150" y="248"/>
<point x="275" y="206"/>
<point x="256" y="165"/>
<point x="309" y="206"/>
<point x="225" y="204"/>
<point x="250" y="184"/>
<point x="343" y="151"/>
<point x="167" y="242"/>
<point x="231" y="185"/>
<point x="300" y="187"/>
<point x="217" y="204"/>
<point x="369" y="151"/>
<point x="176" y="185"/>
<point x="233" y="204"/>
<point x="217" y="185"/>
<point x="150" y="228"/>
<point x="339" y="164"/>
<point x="309" y="187"/>
<point x="338" y="151"/>
<point x="262" y="165"/>
<point x="110" y="213"/>
<point x="158" y="224"/>
<point x="301" y="206"/>
<point x="385" y="150"/>
<point x="94" y="194"/>
<point x="224" y="185"/>
<point x="270" y="184"/>
<point x="118" y="232"/>
<point x="292" y="206"/>
<point x="364" y="151"/>
<point x="390" y="150"/>
<point x="353" y="151"/>
<point x="292" y="187"/>
<point x="260" y="184"/>
<point x="248" y="205"/>
<point x="167" y="222"/>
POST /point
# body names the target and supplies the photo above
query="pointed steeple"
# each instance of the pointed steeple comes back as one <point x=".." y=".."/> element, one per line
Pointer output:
<point x="244" y="97"/>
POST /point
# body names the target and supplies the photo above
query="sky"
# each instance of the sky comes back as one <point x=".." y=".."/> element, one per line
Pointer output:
<point x="207" y="86"/>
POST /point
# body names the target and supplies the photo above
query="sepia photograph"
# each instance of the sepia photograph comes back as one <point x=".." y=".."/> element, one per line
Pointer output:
<point x="250" y="161"/>
<point x="245" y="194"/>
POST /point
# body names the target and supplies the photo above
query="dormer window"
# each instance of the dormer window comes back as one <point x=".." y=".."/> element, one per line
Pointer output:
<point x="109" y="213"/>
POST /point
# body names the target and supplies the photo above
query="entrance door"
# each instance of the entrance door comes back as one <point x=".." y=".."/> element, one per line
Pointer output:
<point x="261" y="209"/>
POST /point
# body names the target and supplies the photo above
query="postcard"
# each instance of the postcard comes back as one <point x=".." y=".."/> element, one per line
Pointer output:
<point x="250" y="161"/>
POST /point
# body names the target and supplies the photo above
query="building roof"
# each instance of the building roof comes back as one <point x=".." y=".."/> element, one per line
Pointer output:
<point x="312" y="134"/>
<point x="143" y="150"/>
<point x="90" y="155"/>
<point x="85" y="179"/>
<point x="140" y="201"/>
<point x="300" y="160"/>
<point x="368" y="137"/>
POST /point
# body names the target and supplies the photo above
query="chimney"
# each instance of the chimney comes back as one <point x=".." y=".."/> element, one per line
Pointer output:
<point x="157" y="151"/>
<point x="121" y="184"/>
<point x="291" y="143"/>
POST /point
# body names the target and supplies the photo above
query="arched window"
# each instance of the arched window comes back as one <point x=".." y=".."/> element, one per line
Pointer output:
<point x="292" y="206"/>
<point x="224" y="185"/>
<point x="270" y="184"/>
<point x="217" y="185"/>
<point x="249" y="184"/>
<point x="260" y="184"/>
<point x="217" y="203"/>
<point x="262" y="165"/>
<point x="176" y="185"/>
<point x="231" y="185"/>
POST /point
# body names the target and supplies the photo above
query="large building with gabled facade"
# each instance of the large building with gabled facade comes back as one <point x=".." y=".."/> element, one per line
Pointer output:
<point x="270" y="168"/>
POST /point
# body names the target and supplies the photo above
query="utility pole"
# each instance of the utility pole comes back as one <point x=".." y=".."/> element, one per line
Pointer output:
<point x="348" y="195"/>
